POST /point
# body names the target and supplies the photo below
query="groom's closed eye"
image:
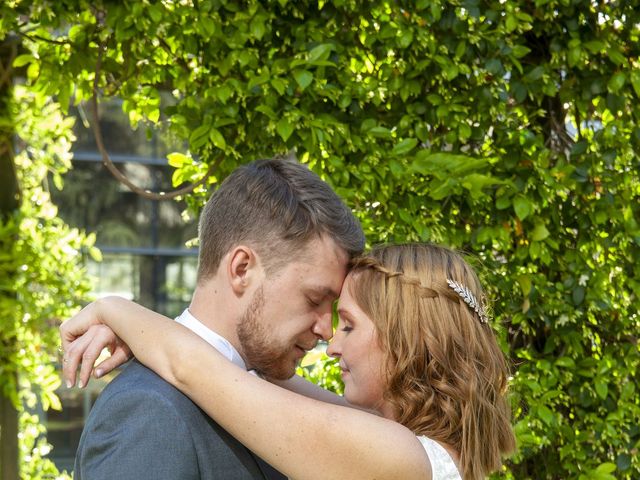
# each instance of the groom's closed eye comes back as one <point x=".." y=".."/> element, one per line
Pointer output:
<point x="314" y="303"/>
<point x="319" y="294"/>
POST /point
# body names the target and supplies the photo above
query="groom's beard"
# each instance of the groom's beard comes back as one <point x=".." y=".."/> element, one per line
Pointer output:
<point x="260" y="350"/>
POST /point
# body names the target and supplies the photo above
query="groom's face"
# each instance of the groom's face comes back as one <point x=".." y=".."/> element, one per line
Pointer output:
<point x="292" y="309"/>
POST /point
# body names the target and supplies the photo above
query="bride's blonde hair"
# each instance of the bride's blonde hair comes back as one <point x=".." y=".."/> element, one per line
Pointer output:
<point x="447" y="377"/>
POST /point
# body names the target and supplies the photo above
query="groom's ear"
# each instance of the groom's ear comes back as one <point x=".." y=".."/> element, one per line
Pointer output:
<point x="243" y="268"/>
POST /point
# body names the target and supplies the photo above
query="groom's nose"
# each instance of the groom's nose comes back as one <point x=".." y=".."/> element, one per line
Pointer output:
<point x="323" y="327"/>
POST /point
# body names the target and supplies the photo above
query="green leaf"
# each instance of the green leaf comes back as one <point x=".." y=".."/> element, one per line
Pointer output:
<point x="405" y="39"/>
<point x="594" y="46"/>
<point x="616" y="56"/>
<point x="539" y="232"/>
<point x="303" y="78"/>
<point x="601" y="389"/>
<point x="279" y="85"/>
<point x="207" y="25"/>
<point x="345" y="100"/>
<point x="156" y="12"/>
<point x="578" y="295"/>
<point x="546" y="415"/>
<point x="199" y="137"/>
<point x="397" y="170"/>
<point x="476" y="182"/>
<point x="267" y="110"/>
<point x="257" y="27"/>
<point x="464" y="132"/>
<point x="22" y="60"/>
<point x="519" y="91"/>
<point x="441" y="189"/>
<point x="566" y="362"/>
<point x="442" y="162"/>
<point x="284" y="129"/>
<point x="522" y="206"/>
<point x="494" y="66"/>
<point x="503" y="202"/>
<point x="223" y="93"/>
<point x="260" y="79"/>
<point x="573" y="56"/>
<point x="422" y="132"/>
<point x="616" y="82"/>
<point x="95" y="253"/>
<point x="520" y="51"/>
<point x="380" y="132"/>
<point x="320" y="52"/>
<point x="450" y="71"/>
<point x="525" y="284"/>
<point x="217" y="139"/>
<point x="535" y="74"/>
<point x="606" y="468"/>
<point x="178" y="160"/>
<point x="404" y="146"/>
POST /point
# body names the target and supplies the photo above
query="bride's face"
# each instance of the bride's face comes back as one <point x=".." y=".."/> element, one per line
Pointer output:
<point x="355" y="344"/>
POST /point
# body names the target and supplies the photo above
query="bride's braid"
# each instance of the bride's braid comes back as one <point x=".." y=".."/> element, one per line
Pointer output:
<point x="441" y="289"/>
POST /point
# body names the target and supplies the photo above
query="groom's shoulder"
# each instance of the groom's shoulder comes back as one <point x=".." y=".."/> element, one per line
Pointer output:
<point x="137" y="381"/>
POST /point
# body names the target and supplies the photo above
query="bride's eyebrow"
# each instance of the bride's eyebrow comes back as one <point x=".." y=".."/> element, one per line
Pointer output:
<point x="344" y="314"/>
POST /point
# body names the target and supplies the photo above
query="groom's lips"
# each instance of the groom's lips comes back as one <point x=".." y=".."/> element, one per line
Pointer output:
<point x="306" y="348"/>
<point x="302" y="350"/>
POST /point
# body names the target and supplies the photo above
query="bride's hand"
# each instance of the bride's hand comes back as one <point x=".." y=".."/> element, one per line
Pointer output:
<point x="83" y="339"/>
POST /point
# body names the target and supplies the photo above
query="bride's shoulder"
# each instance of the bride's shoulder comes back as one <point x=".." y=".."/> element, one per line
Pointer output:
<point x="443" y="466"/>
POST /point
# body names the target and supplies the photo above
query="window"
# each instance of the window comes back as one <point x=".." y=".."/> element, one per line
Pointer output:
<point x="142" y="241"/>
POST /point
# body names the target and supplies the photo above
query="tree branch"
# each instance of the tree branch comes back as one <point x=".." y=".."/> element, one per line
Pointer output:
<point x="106" y="159"/>
<point x="33" y="38"/>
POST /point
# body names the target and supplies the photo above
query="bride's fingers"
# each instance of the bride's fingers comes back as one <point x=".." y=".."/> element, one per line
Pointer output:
<point x="101" y="337"/>
<point x="76" y="326"/>
<point x="118" y="357"/>
<point x="72" y="357"/>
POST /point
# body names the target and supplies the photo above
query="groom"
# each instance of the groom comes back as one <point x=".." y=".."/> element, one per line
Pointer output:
<point x="275" y="242"/>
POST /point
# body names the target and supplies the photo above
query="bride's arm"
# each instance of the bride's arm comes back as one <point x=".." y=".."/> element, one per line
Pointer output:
<point x="302" y="386"/>
<point x="301" y="437"/>
<point x="100" y="336"/>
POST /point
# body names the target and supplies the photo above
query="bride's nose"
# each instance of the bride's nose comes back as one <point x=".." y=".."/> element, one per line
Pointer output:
<point x="334" y="349"/>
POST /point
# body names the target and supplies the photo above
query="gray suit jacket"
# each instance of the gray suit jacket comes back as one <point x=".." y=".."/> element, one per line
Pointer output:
<point x="141" y="427"/>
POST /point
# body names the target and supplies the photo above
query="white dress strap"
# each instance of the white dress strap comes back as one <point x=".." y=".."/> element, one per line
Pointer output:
<point x="442" y="465"/>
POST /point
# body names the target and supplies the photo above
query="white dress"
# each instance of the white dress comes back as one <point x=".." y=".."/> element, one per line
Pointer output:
<point x="442" y="465"/>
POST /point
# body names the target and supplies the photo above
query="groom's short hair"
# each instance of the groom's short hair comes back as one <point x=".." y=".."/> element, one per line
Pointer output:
<point x="275" y="206"/>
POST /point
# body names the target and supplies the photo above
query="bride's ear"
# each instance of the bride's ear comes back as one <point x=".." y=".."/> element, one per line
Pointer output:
<point x="243" y="269"/>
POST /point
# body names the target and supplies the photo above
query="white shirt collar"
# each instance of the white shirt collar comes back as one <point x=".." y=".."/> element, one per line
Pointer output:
<point x="212" y="338"/>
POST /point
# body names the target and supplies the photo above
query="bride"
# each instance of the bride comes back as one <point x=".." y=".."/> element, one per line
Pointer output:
<point x="422" y="370"/>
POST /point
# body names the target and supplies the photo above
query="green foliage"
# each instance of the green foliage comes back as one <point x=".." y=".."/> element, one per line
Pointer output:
<point x="323" y="371"/>
<point x="507" y="129"/>
<point x="41" y="278"/>
<point x="34" y="449"/>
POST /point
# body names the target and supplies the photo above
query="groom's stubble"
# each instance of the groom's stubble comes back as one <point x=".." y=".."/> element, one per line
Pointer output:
<point x="261" y="350"/>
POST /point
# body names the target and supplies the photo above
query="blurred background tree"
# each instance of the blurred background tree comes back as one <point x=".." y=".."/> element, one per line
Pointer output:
<point x="508" y="129"/>
<point x="41" y="275"/>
